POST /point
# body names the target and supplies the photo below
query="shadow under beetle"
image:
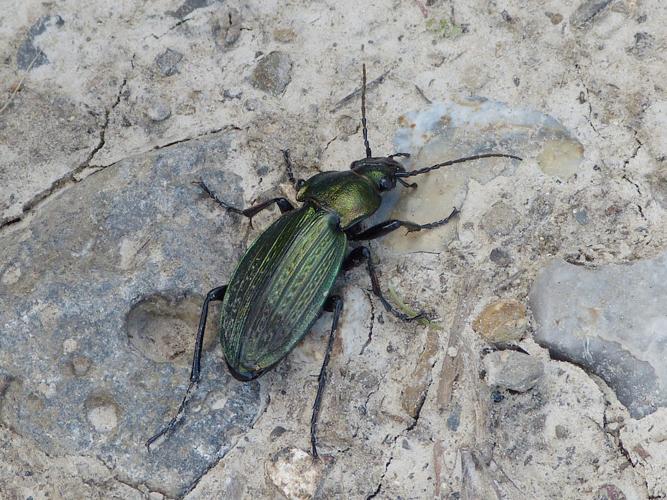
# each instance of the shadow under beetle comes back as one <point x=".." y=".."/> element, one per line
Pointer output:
<point x="283" y="282"/>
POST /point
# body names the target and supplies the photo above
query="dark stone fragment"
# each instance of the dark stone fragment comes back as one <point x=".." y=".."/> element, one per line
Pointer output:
<point x="28" y="51"/>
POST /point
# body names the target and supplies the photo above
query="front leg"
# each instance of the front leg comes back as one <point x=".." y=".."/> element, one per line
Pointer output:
<point x="361" y="254"/>
<point x="388" y="226"/>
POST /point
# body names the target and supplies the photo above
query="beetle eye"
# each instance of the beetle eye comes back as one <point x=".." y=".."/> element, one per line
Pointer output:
<point x="385" y="184"/>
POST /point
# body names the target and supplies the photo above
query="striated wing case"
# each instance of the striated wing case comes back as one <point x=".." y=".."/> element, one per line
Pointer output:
<point x="278" y="289"/>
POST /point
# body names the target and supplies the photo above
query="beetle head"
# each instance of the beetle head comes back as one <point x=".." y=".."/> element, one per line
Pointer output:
<point x="380" y="171"/>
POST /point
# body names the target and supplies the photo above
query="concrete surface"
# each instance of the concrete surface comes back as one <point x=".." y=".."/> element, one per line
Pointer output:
<point x="110" y="111"/>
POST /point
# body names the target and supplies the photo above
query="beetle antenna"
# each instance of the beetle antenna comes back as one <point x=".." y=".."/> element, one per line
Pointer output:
<point x="363" y="113"/>
<point x="452" y="162"/>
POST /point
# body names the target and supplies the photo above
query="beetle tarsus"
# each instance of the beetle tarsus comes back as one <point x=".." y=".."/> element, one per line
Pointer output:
<point x="407" y="184"/>
<point x="173" y="423"/>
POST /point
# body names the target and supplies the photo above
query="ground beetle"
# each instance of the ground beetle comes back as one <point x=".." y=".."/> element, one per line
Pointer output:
<point x="284" y="280"/>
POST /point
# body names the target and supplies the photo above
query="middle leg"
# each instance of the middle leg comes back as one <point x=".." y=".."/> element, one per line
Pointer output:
<point x="361" y="254"/>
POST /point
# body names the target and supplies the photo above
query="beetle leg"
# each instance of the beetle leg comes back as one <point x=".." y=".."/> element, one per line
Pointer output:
<point x="217" y="294"/>
<point x="388" y="226"/>
<point x="333" y="304"/>
<point x="283" y="204"/>
<point x="361" y="254"/>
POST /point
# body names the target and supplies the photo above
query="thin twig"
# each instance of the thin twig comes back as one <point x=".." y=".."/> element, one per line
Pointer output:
<point x="354" y="94"/>
<point x="18" y="85"/>
<point x="421" y="93"/>
<point x="422" y="8"/>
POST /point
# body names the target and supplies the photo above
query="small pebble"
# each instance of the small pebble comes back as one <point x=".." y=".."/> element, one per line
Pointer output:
<point x="158" y="111"/>
<point x="512" y="370"/>
<point x="167" y="62"/>
<point x="272" y="73"/>
<point x="502" y="321"/>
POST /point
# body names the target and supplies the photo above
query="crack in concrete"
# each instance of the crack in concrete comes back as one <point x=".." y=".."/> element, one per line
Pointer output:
<point x="386" y="468"/>
<point x="420" y="403"/>
<point x="372" y="322"/>
<point x="213" y="464"/>
<point x="587" y="97"/>
<point x="71" y="177"/>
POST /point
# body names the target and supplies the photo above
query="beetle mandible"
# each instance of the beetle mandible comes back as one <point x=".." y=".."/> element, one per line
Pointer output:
<point x="284" y="280"/>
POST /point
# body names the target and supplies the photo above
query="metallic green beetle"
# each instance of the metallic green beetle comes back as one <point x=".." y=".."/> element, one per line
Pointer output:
<point x="284" y="281"/>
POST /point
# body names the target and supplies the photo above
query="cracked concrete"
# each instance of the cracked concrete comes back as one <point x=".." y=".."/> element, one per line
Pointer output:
<point x="110" y="112"/>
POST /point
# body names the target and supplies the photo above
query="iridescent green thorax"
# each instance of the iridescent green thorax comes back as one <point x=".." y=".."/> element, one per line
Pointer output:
<point x="351" y="196"/>
<point x="354" y="194"/>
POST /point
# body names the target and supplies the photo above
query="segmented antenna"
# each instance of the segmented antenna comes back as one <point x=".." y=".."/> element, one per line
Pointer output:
<point x="452" y="162"/>
<point x="363" y="113"/>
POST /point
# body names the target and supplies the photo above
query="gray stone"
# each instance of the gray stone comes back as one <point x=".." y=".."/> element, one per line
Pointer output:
<point x="103" y="316"/>
<point x="499" y="220"/>
<point x="29" y="55"/>
<point x="189" y="6"/>
<point x="581" y="216"/>
<point x="227" y="29"/>
<point x="587" y="11"/>
<point x="168" y="61"/>
<point x="612" y="322"/>
<point x="644" y="44"/>
<point x="500" y="257"/>
<point x="512" y="370"/>
<point x="158" y="110"/>
<point x="273" y="73"/>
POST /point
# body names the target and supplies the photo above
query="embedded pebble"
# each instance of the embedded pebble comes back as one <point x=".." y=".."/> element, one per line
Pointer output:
<point x="581" y="216"/>
<point x="295" y="473"/>
<point x="158" y="110"/>
<point x="102" y="413"/>
<point x="347" y="125"/>
<point x="80" y="365"/>
<point x="512" y="370"/>
<point x="587" y="12"/>
<point x="502" y="321"/>
<point x="500" y="257"/>
<point x="612" y="322"/>
<point x="272" y="73"/>
<point x="29" y="55"/>
<point x="11" y="275"/>
<point x="227" y="31"/>
<point x="167" y="62"/>
<point x="499" y="220"/>
<point x="284" y="35"/>
<point x="609" y="492"/>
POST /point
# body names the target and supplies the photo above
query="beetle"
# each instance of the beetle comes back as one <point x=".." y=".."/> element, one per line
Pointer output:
<point x="284" y="280"/>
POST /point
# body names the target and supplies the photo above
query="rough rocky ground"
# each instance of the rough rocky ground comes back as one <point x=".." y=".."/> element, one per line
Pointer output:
<point x="109" y="112"/>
